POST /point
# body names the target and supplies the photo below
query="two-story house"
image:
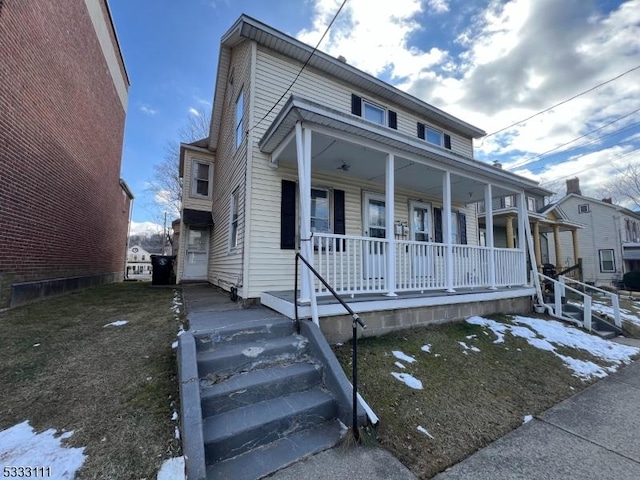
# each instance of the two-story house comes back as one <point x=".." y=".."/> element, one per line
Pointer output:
<point x="609" y="243"/>
<point x="376" y="188"/>
<point x="138" y="262"/>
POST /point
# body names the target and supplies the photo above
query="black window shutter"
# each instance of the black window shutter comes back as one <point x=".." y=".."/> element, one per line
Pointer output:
<point x="288" y="216"/>
<point x="462" y="228"/>
<point x="447" y="141"/>
<point x="356" y="105"/>
<point x="393" y="120"/>
<point x="339" y="221"/>
<point x="437" y="225"/>
<point x="421" y="130"/>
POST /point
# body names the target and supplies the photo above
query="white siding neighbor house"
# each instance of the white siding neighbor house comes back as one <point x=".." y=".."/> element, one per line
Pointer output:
<point x="138" y="262"/>
<point x="609" y="244"/>
<point x="377" y="189"/>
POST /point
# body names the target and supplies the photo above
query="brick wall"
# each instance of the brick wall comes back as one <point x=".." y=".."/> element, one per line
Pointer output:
<point x="62" y="210"/>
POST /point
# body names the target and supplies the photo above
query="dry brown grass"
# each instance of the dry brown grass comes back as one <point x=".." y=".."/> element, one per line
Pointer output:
<point x="467" y="401"/>
<point x="112" y="386"/>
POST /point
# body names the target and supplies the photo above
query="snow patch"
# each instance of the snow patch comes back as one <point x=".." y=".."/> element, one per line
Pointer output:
<point x="408" y="380"/>
<point x="399" y="365"/>
<point x="527" y="419"/>
<point x="467" y="347"/>
<point x="117" y="323"/>
<point x="21" y="445"/>
<point x="172" y="469"/>
<point x="421" y="429"/>
<point x="426" y="348"/>
<point x="174" y="345"/>
<point x="252" y="351"/>
<point x="402" y="356"/>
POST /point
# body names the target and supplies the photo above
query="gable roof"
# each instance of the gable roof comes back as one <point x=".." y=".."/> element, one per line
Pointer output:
<point x="248" y="28"/>
<point x="613" y="206"/>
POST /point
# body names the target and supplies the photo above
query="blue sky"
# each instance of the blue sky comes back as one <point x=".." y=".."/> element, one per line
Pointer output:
<point x="490" y="62"/>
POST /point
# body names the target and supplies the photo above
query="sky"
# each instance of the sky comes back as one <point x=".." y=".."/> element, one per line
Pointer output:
<point x="491" y="63"/>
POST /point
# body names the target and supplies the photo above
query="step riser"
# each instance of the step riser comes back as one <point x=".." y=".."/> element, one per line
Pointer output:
<point x="228" y="400"/>
<point x="266" y="433"/>
<point x="243" y="335"/>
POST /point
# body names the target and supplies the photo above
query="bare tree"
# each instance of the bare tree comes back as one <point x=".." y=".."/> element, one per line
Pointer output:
<point x="625" y="186"/>
<point x="166" y="185"/>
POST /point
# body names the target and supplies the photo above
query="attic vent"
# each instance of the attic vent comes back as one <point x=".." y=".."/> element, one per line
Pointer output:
<point x="342" y="59"/>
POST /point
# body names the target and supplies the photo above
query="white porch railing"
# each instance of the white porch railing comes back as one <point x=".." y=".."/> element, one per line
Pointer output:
<point x="353" y="264"/>
<point x="559" y="291"/>
<point x="609" y="299"/>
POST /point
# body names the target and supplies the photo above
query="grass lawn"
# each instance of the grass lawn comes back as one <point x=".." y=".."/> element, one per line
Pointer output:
<point x="469" y="397"/>
<point x="113" y="386"/>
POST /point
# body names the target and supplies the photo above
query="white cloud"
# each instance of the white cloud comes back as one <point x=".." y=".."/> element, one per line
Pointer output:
<point x="438" y="6"/>
<point x="148" y="110"/>
<point x="194" y="111"/>
<point x="144" y="228"/>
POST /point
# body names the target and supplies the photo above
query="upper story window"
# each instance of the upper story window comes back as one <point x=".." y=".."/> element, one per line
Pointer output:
<point x="434" y="136"/>
<point x="373" y="112"/>
<point x="239" y="117"/>
<point x="531" y="204"/>
<point x="508" y="201"/>
<point x="584" y="208"/>
<point x="234" y="216"/>
<point x="320" y="210"/>
<point x="143" y="258"/>
<point x="201" y="179"/>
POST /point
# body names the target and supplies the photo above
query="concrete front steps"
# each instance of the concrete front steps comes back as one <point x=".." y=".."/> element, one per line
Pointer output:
<point x="264" y="401"/>
<point x="599" y="325"/>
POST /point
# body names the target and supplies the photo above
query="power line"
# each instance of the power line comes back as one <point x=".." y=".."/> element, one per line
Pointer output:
<point x="563" y="102"/>
<point x="529" y="161"/>
<point x="303" y="66"/>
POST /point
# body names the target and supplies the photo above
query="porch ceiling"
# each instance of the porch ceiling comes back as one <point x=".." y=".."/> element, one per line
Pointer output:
<point x="362" y="146"/>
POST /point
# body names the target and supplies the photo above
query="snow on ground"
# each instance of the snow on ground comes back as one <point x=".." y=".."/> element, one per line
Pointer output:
<point x="117" y="323"/>
<point x="421" y="429"/>
<point x="172" y="469"/>
<point x="426" y="348"/>
<point x="549" y="334"/>
<point x="20" y="445"/>
<point x="402" y="356"/>
<point x="408" y="380"/>
<point x="607" y="310"/>
<point x="466" y="347"/>
<point x="527" y="419"/>
<point x="399" y="365"/>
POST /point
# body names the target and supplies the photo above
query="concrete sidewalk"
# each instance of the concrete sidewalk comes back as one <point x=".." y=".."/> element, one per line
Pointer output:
<point x="592" y="435"/>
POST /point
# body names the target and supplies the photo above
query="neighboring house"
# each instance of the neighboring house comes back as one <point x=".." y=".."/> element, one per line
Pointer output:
<point x="63" y="97"/>
<point x="138" y="262"/>
<point x="375" y="187"/>
<point x="609" y="244"/>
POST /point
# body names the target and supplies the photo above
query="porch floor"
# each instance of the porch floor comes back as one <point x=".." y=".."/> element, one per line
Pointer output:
<point x="283" y="301"/>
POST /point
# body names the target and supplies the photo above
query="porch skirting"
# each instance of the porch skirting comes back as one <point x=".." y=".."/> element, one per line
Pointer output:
<point x="383" y="315"/>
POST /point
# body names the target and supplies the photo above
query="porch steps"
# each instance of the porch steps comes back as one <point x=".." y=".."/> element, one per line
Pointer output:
<point x="599" y="325"/>
<point x="264" y="404"/>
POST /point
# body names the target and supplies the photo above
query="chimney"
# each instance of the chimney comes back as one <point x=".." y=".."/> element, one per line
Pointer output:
<point x="342" y="59"/>
<point x="607" y="200"/>
<point x="497" y="164"/>
<point x="573" y="186"/>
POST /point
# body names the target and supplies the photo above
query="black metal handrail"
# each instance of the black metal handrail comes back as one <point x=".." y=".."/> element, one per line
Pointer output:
<point x="356" y="321"/>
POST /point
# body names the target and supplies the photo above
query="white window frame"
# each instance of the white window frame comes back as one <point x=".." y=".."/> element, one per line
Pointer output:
<point x="239" y="133"/>
<point x="385" y="114"/>
<point x="510" y="203"/>
<point x="440" y="134"/>
<point x="425" y="206"/>
<point x="329" y="210"/>
<point x="583" y="208"/>
<point x="531" y="204"/>
<point x="194" y="179"/>
<point x="234" y="219"/>
<point x="602" y="260"/>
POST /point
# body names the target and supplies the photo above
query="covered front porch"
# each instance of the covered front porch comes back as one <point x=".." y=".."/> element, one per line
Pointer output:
<point x="407" y="232"/>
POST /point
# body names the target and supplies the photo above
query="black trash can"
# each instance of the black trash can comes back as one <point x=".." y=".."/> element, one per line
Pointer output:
<point x="163" y="272"/>
<point x="549" y="270"/>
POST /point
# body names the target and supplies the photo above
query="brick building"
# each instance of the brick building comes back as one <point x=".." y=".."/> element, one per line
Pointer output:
<point x="64" y="210"/>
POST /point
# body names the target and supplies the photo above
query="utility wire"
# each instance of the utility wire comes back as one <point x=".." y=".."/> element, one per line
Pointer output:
<point x="304" y="65"/>
<point x="528" y="161"/>
<point x="563" y="102"/>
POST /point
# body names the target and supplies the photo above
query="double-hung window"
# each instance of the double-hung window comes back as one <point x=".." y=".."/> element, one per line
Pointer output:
<point x="239" y="117"/>
<point x="607" y="261"/>
<point x="531" y="204"/>
<point x="201" y="179"/>
<point x="374" y="113"/>
<point x="320" y="221"/>
<point x="234" y="215"/>
<point x="433" y="136"/>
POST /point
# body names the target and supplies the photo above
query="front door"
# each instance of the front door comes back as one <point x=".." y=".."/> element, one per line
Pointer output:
<point x="374" y="216"/>
<point x="421" y="255"/>
<point x="196" y="258"/>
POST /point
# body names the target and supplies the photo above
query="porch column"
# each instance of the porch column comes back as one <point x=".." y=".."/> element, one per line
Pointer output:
<point x="576" y="247"/>
<point x="446" y="230"/>
<point x="556" y="240"/>
<point x="509" y="224"/>
<point x="488" y="215"/>
<point x="390" y="221"/>
<point x="536" y="245"/>
<point x="303" y="146"/>
<point x="523" y="219"/>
